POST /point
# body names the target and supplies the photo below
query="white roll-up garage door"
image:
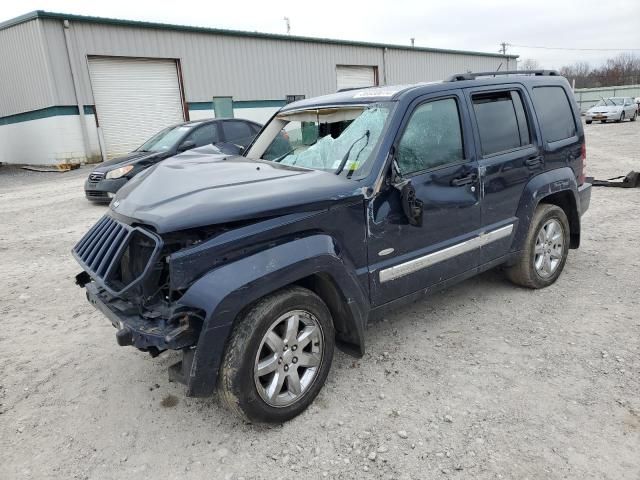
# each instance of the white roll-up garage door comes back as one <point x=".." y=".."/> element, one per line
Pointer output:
<point x="351" y="76"/>
<point x="134" y="98"/>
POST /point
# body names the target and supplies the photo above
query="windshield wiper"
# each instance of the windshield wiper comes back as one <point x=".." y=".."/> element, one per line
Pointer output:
<point x="343" y="162"/>
<point x="281" y="157"/>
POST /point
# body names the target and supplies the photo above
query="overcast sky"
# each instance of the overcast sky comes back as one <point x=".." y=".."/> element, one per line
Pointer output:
<point x="457" y="24"/>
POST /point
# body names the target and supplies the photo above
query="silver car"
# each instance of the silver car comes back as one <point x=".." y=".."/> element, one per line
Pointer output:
<point x="614" y="108"/>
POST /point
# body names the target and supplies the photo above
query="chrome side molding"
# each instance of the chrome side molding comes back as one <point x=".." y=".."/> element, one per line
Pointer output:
<point x="425" y="261"/>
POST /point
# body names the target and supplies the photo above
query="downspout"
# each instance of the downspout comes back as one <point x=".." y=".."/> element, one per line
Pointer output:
<point x="384" y="66"/>
<point x="76" y="89"/>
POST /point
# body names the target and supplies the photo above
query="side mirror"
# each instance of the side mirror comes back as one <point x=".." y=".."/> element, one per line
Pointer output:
<point x="412" y="206"/>
<point x="186" y="145"/>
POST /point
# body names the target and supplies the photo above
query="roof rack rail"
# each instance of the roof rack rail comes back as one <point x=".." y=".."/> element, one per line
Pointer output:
<point x="458" y="77"/>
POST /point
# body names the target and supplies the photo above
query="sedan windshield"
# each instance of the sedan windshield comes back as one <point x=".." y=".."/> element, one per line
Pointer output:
<point x="610" y="102"/>
<point x="165" y="139"/>
<point x="336" y="139"/>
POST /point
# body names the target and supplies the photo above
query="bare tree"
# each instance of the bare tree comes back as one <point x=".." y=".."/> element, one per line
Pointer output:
<point x="623" y="69"/>
<point x="530" y="64"/>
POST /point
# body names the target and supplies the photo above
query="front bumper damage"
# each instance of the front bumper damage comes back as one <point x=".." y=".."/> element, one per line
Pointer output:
<point x="153" y="334"/>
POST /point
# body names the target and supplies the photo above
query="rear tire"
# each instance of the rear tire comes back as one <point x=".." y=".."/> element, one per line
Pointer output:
<point x="588" y="122"/>
<point x="633" y="117"/>
<point x="277" y="357"/>
<point x="545" y="250"/>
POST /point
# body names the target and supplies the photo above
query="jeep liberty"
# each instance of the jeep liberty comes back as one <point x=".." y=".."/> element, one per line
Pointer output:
<point x="343" y="208"/>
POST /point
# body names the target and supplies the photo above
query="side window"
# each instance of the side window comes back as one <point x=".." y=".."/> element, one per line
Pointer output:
<point x="554" y="112"/>
<point x="432" y="137"/>
<point x="502" y="121"/>
<point x="203" y="135"/>
<point x="238" y="132"/>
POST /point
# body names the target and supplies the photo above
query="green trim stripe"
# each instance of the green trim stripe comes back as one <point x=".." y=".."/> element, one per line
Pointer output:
<point x="45" y="113"/>
<point x="258" y="103"/>
<point x="89" y="110"/>
<point x="240" y="104"/>
<point x="235" y="33"/>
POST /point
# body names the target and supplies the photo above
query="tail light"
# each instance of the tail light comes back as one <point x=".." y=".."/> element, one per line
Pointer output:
<point x="583" y="165"/>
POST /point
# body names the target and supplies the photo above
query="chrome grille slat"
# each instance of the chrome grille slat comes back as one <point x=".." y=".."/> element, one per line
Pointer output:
<point x="85" y="242"/>
<point x="109" y="254"/>
<point x="101" y="250"/>
<point x="98" y="241"/>
<point x="108" y="236"/>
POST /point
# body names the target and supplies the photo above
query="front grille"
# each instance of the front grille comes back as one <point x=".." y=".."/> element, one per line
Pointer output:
<point x="102" y="249"/>
<point x="95" y="176"/>
<point x="96" y="194"/>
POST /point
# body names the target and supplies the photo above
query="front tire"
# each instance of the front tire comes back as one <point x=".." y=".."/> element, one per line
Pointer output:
<point x="545" y="251"/>
<point x="277" y="357"/>
<point x="588" y="122"/>
<point x="621" y="119"/>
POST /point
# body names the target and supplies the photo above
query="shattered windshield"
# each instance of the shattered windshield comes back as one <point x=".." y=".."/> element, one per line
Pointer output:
<point x="339" y="140"/>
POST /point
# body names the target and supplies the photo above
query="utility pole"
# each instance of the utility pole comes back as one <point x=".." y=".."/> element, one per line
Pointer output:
<point x="286" y="20"/>
<point x="413" y="42"/>
<point x="503" y="48"/>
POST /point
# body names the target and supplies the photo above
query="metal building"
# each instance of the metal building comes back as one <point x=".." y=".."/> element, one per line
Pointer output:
<point x="78" y="89"/>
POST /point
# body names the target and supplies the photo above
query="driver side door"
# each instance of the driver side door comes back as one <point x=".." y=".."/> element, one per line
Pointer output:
<point x="434" y="151"/>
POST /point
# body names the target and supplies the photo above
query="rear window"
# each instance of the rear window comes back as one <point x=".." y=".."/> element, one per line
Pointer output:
<point x="554" y="112"/>
<point x="502" y="121"/>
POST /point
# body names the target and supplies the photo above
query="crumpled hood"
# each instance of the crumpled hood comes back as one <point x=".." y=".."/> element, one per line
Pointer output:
<point x="192" y="191"/>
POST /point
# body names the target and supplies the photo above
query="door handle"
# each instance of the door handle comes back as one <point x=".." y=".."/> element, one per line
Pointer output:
<point x="460" y="181"/>
<point x="533" y="161"/>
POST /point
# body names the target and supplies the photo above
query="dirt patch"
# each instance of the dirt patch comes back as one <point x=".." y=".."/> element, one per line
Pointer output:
<point x="169" y="401"/>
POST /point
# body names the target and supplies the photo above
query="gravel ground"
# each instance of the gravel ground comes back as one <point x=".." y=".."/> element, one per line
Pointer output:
<point x="485" y="380"/>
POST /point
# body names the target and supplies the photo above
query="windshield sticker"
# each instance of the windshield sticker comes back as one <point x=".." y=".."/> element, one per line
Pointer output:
<point x="375" y="92"/>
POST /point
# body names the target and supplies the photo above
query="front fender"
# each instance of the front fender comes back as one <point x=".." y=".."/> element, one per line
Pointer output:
<point x="224" y="292"/>
<point x="539" y="187"/>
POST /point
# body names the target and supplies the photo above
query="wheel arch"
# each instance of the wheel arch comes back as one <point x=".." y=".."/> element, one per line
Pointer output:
<point x="567" y="202"/>
<point x="225" y="293"/>
<point x="555" y="187"/>
<point x="349" y="331"/>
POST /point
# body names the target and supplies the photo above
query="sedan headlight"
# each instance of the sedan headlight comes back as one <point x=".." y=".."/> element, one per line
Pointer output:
<point x="119" y="172"/>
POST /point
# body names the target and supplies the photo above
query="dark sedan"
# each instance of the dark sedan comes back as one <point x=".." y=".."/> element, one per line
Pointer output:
<point x="228" y="135"/>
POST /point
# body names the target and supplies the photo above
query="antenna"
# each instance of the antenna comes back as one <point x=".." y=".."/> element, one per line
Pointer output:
<point x="286" y="20"/>
<point x="413" y="42"/>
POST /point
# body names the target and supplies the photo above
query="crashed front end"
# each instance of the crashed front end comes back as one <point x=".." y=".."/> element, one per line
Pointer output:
<point x="126" y="277"/>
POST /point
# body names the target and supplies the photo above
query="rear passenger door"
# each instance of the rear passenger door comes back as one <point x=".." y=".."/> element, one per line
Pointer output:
<point x="509" y="154"/>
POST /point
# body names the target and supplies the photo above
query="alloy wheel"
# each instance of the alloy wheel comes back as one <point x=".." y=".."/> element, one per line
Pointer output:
<point x="289" y="358"/>
<point x="549" y="248"/>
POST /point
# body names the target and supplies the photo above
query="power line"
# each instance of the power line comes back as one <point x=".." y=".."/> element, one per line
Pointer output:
<point x="576" y="49"/>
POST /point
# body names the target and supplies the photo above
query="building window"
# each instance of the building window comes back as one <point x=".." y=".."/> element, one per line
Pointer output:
<point x="223" y="107"/>
<point x="294" y="98"/>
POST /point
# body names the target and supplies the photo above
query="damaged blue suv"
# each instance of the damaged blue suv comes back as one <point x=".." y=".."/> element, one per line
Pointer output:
<point x="343" y="208"/>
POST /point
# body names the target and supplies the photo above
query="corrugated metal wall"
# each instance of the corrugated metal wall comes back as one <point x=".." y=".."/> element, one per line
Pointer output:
<point x="213" y="64"/>
<point x="25" y="80"/>
<point x="406" y="66"/>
